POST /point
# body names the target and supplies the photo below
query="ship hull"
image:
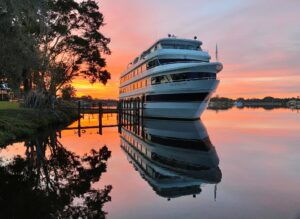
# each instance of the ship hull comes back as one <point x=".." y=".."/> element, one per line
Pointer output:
<point x="175" y="110"/>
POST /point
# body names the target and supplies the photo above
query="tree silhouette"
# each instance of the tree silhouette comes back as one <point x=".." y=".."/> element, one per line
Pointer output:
<point x="45" y="44"/>
<point x="52" y="182"/>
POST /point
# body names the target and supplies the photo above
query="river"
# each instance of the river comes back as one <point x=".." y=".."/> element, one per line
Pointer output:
<point x="237" y="163"/>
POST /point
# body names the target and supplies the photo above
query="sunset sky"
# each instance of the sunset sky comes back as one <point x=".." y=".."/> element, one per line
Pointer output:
<point x="258" y="41"/>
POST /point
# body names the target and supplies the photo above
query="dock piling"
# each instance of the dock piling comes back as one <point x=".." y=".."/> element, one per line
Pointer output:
<point x="100" y="116"/>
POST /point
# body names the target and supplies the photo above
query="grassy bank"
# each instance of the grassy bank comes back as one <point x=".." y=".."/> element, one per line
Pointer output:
<point x="17" y="123"/>
<point x="9" y="105"/>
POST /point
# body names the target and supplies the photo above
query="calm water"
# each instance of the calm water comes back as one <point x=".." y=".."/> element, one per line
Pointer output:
<point x="233" y="164"/>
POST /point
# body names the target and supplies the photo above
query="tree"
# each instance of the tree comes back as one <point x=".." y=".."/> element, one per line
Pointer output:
<point x="240" y="99"/>
<point x="67" y="92"/>
<point x="268" y="99"/>
<point x="47" y="43"/>
<point x="19" y="53"/>
<point x="73" y="45"/>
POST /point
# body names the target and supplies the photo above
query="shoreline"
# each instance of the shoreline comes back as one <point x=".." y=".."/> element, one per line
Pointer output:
<point x="18" y="124"/>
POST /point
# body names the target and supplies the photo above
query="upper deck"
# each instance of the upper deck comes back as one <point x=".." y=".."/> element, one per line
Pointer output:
<point x="165" y="43"/>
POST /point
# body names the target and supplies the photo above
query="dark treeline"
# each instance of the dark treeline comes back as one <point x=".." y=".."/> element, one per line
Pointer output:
<point x="45" y="44"/>
<point x="266" y="102"/>
<point x="268" y="99"/>
<point x="218" y="102"/>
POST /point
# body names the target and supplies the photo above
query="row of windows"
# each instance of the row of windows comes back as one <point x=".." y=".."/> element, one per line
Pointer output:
<point x="139" y="146"/>
<point x="169" y="61"/>
<point x="180" y="46"/>
<point x="151" y="64"/>
<point x="182" y="77"/>
<point x="134" y="86"/>
<point x="140" y="161"/>
<point x="135" y="156"/>
<point x="162" y="79"/>
<point x="134" y="73"/>
<point x="142" y="164"/>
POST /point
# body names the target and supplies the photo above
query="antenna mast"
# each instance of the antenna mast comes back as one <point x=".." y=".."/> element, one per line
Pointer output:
<point x="217" y="53"/>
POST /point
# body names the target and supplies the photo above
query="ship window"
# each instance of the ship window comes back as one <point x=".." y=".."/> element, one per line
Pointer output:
<point x="155" y="80"/>
<point x="192" y="76"/>
<point x="152" y="63"/>
<point x="168" y="61"/>
<point x="143" y="67"/>
<point x="160" y="79"/>
<point x="155" y="47"/>
<point x="164" y="79"/>
<point x="182" y="77"/>
<point x="136" y="60"/>
<point x="179" y="77"/>
<point x="183" y="143"/>
<point x="141" y="84"/>
<point x="180" y="46"/>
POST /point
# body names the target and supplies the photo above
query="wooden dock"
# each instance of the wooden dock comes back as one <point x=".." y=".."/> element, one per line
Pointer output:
<point x="129" y="114"/>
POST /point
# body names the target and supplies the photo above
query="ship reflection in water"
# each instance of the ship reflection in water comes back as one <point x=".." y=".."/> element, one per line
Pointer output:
<point x="175" y="157"/>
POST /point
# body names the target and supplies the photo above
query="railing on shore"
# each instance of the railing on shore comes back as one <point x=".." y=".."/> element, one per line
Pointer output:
<point x="129" y="114"/>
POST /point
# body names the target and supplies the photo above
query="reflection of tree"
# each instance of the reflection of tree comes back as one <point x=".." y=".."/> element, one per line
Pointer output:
<point x="52" y="182"/>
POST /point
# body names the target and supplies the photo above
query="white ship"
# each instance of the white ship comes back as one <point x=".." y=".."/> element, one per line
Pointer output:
<point x="174" y="78"/>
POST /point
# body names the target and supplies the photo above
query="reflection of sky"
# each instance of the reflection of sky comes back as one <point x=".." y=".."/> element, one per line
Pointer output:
<point x="259" y="159"/>
<point x="259" y="152"/>
<point x="256" y="39"/>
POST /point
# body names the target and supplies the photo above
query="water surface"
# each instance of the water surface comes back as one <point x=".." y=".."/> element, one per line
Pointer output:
<point x="236" y="164"/>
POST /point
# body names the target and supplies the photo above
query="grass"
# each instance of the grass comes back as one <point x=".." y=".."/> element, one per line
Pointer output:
<point x="18" y="123"/>
<point x="9" y="105"/>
